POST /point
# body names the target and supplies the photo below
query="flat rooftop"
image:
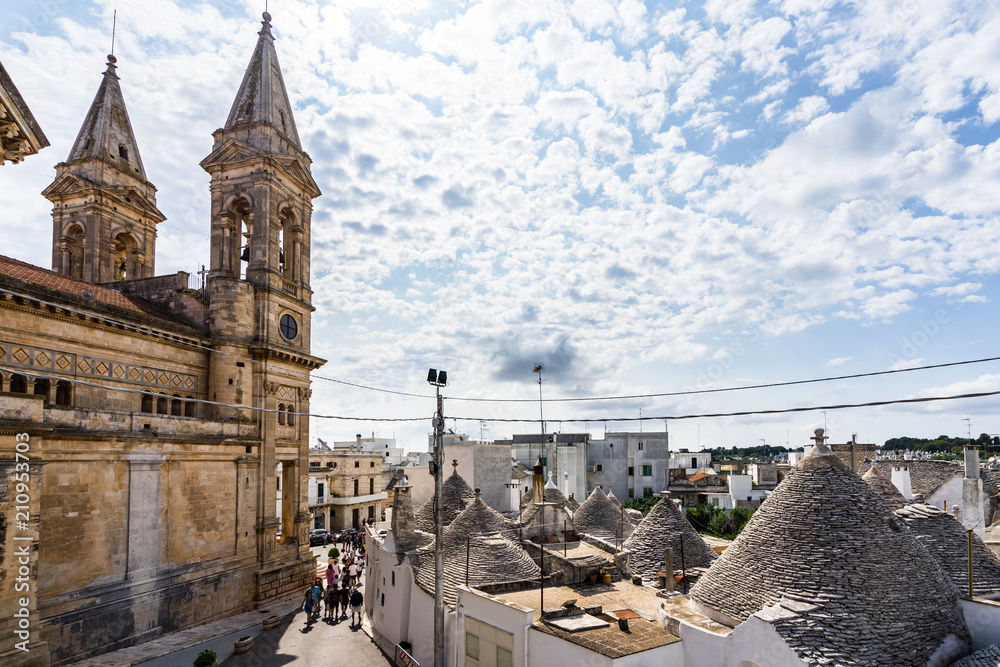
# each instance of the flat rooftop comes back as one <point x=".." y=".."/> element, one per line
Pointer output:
<point x="618" y="600"/>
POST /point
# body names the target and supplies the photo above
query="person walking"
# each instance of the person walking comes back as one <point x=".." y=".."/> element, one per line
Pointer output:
<point x="332" y="598"/>
<point x="307" y="605"/>
<point x="317" y="594"/>
<point x="345" y="594"/>
<point x="357" y="599"/>
<point x="335" y="601"/>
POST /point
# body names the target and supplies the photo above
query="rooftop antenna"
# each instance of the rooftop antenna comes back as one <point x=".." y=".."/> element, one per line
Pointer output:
<point x="114" y="26"/>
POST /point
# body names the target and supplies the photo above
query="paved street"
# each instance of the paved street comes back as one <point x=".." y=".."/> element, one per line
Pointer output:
<point x="323" y="643"/>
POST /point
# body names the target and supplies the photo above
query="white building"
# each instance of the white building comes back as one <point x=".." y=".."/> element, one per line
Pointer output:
<point x="385" y="447"/>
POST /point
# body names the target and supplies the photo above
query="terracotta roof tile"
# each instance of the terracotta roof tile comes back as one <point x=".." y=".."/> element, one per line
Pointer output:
<point x="56" y="286"/>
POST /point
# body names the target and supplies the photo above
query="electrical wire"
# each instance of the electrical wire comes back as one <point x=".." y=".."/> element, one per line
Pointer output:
<point x="709" y="415"/>
<point x="147" y="392"/>
<point x="726" y="389"/>
<point x="150" y="332"/>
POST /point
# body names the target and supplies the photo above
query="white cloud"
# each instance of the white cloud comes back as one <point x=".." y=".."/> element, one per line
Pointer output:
<point x="647" y="185"/>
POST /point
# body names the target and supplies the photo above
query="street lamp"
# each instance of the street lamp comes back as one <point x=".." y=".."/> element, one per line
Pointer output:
<point x="438" y="379"/>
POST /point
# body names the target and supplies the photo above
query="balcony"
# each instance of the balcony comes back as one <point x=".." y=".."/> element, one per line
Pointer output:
<point x="357" y="500"/>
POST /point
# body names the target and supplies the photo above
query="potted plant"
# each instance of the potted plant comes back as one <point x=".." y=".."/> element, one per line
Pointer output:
<point x="243" y="644"/>
<point x="205" y="659"/>
<point x="333" y="554"/>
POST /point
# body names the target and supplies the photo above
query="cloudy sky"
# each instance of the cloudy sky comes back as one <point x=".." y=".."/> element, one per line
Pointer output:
<point x="642" y="197"/>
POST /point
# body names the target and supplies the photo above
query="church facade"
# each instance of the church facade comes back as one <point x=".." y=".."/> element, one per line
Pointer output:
<point x="146" y="427"/>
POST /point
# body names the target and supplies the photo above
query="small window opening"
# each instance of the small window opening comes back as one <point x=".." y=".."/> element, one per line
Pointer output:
<point x="122" y="151"/>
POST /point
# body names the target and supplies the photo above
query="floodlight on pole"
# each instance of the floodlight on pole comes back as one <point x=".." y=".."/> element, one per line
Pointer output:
<point x="438" y="379"/>
<point x="538" y="369"/>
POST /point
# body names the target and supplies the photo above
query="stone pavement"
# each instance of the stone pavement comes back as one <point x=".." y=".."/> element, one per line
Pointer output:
<point x="179" y="649"/>
<point x="338" y="645"/>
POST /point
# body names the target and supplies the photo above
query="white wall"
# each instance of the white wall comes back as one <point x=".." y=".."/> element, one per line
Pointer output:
<point x="983" y="619"/>
<point x="753" y="641"/>
<point x="421" y="483"/>
<point x="545" y="650"/>
<point x="758" y="642"/>
<point x="950" y="492"/>
<point x="511" y="618"/>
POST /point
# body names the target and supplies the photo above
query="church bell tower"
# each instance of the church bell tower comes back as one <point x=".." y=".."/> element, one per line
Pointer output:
<point x="104" y="213"/>
<point x="259" y="295"/>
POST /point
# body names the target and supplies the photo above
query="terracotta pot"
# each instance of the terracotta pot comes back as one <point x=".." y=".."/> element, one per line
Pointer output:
<point x="242" y="646"/>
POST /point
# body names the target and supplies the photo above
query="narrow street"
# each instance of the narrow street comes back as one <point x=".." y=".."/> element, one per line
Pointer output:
<point x="323" y="643"/>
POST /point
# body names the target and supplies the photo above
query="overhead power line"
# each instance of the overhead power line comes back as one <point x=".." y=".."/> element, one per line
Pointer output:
<point x="691" y="392"/>
<point x="151" y="332"/>
<point x="707" y="415"/>
<point x="149" y="392"/>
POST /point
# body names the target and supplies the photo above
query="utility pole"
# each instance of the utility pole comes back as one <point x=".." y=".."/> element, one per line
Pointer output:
<point x="541" y="418"/>
<point x="438" y="379"/>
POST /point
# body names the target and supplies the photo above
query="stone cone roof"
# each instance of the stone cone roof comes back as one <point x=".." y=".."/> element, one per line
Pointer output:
<point x="599" y="516"/>
<point x="662" y="528"/>
<point x="455" y="492"/>
<point x="491" y="560"/>
<point x="613" y="498"/>
<point x="831" y="569"/>
<point x="548" y="496"/>
<point x="945" y="537"/>
<point x="479" y="518"/>
<point x="987" y="657"/>
<point x="884" y="487"/>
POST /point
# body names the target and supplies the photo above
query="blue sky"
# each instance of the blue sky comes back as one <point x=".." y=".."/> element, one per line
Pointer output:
<point x="643" y="197"/>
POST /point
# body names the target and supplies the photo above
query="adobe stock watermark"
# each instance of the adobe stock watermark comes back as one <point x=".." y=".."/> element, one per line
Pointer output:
<point x="22" y="539"/>
<point x="911" y="345"/>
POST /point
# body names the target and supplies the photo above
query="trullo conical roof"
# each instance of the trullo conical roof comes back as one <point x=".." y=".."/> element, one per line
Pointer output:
<point x="839" y="578"/>
<point x="946" y="539"/>
<point x="885" y="488"/>
<point x="662" y="528"/>
<point x="455" y="492"/>
<point x="479" y="518"/>
<point x="598" y="515"/>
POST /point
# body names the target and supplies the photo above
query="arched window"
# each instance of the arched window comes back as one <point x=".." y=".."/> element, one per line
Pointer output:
<point x="281" y="414"/>
<point x="286" y="237"/>
<point x="190" y="407"/>
<point x="76" y="250"/>
<point x="123" y="261"/>
<point x="161" y="404"/>
<point x="147" y="403"/>
<point x="64" y="392"/>
<point x="42" y="387"/>
<point x="291" y="415"/>
<point x="241" y="210"/>
<point x="176" y="407"/>
<point x="18" y="384"/>
<point x="122" y="151"/>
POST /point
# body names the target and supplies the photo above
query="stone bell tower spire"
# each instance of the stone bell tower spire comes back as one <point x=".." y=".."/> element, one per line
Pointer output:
<point x="104" y="210"/>
<point x="260" y="304"/>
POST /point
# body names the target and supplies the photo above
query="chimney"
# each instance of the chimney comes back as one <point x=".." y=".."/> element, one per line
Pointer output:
<point x="971" y="461"/>
<point x="901" y="480"/>
<point x="402" y="519"/>
<point x="538" y="482"/>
